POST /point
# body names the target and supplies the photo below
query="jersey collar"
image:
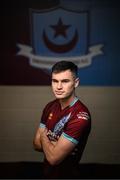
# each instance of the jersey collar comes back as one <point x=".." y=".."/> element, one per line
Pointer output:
<point x="73" y="102"/>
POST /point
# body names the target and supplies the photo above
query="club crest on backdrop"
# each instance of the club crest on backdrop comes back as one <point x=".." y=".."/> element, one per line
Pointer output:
<point x="59" y="34"/>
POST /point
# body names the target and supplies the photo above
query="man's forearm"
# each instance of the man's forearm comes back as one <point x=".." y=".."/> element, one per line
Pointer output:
<point x="48" y="148"/>
<point x="37" y="146"/>
<point x="56" y="152"/>
<point x="37" y="140"/>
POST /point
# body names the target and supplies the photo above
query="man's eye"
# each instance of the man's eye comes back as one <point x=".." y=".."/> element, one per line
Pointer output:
<point x="65" y="81"/>
<point x="54" y="81"/>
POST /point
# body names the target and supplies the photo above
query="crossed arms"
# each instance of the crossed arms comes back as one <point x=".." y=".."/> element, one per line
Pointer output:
<point x="54" y="151"/>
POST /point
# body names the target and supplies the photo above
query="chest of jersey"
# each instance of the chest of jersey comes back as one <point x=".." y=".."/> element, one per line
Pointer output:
<point x="57" y="119"/>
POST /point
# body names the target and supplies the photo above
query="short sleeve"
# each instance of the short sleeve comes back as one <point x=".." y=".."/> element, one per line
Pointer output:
<point x="44" y="116"/>
<point x="77" y="127"/>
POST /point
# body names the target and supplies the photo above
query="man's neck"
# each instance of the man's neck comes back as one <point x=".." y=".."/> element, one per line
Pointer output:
<point x="66" y="102"/>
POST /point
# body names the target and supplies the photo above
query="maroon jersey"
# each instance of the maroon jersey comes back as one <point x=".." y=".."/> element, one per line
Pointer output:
<point x="73" y="123"/>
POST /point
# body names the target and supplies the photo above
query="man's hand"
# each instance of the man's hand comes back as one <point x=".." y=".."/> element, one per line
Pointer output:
<point x="37" y="139"/>
<point x="52" y="136"/>
<point x="43" y="135"/>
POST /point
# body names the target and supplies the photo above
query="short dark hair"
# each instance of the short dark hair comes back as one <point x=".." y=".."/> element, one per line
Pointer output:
<point x="65" y="65"/>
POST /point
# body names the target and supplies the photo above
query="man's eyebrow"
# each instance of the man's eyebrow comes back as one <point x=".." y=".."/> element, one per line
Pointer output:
<point x="60" y="80"/>
<point x="65" y="80"/>
<point x="54" y="79"/>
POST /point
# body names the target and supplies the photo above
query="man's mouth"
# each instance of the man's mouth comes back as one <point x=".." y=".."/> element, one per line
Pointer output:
<point x="59" y="92"/>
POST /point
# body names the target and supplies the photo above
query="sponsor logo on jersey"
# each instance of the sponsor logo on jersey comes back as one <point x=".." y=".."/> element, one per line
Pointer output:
<point x="58" y="128"/>
<point x="83" y="115"/>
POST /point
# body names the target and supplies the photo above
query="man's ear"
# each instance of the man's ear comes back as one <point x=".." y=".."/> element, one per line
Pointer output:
<point x="77" y="81"/>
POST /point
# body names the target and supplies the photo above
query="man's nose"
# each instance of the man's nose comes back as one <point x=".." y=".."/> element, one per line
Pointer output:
<point x="59" y="85"/>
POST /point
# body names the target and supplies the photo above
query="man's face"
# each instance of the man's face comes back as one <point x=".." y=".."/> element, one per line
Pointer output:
<point x="63" y="84"/>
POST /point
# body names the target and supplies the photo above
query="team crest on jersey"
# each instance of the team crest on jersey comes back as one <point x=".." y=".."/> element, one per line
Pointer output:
<point x="50" y="116"/>
<point x="59" y="34"/>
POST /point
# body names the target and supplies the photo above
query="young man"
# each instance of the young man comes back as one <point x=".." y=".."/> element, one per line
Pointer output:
<point x="65" y="125"/>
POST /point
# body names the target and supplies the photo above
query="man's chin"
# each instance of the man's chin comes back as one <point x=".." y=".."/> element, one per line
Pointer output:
<point x="59" y="96"/>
